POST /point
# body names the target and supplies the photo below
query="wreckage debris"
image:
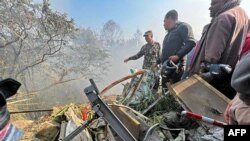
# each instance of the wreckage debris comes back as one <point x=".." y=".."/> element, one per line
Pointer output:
<point x="146" y="114"/>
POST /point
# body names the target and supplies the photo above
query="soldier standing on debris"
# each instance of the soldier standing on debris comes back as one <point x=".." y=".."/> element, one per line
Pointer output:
<point x="151" y="52"/>
<point x="221" y="43"/>
<point x="177" y="43"/>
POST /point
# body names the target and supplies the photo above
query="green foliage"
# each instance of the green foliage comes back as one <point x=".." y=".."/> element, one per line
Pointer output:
<point x="143" y="96"/>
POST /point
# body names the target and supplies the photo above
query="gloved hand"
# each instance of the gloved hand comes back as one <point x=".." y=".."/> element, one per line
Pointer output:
<point x="227" y="69"/>
<point x="219" y="69"/>
<point x="215" y="71"/>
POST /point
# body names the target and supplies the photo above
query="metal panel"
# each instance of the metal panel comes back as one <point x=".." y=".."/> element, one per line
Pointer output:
<point x="197" y="96"/>
<point x="129" y="122"/>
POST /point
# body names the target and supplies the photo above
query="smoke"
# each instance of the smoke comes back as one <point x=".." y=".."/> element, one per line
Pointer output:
<point x="118" y="68"/>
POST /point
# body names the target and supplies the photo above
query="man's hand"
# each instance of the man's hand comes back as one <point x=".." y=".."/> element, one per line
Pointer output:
<point x="126" y="60"/>
<point x="174" y="58"/>
<point x="226" y="112"/>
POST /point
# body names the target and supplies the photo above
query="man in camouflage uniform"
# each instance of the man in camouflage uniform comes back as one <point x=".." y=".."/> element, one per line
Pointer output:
<point x="150" y="51"/>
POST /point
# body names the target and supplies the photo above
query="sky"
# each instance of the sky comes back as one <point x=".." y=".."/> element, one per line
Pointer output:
<point x="132" y="15"/>
<point x="137" y="14"/>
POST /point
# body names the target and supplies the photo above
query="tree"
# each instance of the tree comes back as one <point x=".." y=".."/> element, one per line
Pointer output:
<point x="138" y="37"/>
<point x="111" y="33"/>
<point x="36" y="40"/>
<point x="85" y="57"/>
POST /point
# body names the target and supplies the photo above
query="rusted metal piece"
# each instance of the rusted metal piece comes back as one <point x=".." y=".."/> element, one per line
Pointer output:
<point x="31" y="111"/>
<point x="120" y="80"/>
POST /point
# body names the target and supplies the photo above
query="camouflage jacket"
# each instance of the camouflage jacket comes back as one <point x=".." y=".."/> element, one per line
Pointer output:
<point x="151" y="54"/>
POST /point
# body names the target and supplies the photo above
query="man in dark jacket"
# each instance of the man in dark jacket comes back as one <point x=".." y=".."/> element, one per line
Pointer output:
<point x="177" y="43"/>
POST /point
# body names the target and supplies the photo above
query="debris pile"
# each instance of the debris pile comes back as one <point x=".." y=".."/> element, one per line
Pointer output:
<point x="47" y="128"/>
<point x="147" y="114"/>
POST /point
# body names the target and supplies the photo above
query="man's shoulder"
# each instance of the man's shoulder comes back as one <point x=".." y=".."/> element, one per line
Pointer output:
<point x="145" y="46"/>
<point x="184" y="26"/>
<point x="235" y="10"/>
<point x="225" y="15"/>
<point x="157" y="43"/>
<point x="231" y="14"/>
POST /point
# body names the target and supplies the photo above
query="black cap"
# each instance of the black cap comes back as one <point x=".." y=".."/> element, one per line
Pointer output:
<point x="173" y="14"/>
<point x="148" y="33"/>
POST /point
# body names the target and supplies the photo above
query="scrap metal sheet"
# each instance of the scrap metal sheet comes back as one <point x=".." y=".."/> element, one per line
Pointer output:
<point x="197" y="96"/>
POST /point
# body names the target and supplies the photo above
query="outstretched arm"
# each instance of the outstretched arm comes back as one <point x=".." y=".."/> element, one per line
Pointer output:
<point x="135" y="57"/>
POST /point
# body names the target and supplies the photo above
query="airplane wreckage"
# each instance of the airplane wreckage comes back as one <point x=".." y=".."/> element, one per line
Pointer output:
<point x="187" y="110"/>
